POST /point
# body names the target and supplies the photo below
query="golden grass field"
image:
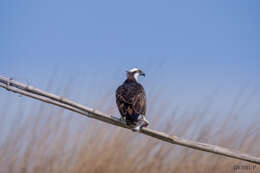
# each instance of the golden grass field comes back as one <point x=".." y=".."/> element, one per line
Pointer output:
<point x="44" y="138"/>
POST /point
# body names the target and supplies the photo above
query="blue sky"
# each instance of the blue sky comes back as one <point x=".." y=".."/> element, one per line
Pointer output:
<point x="188" y="49"/>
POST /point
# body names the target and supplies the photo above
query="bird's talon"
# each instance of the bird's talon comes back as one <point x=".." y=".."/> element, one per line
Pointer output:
<point x="136" y="129"/>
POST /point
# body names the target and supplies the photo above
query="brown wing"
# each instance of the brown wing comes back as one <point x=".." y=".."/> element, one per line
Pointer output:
<point x="120" y="101"/>
<point x="131" y="99"/>
<point x="139" y="104"/>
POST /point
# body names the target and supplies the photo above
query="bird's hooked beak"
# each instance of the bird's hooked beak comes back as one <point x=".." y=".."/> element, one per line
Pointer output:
<point x="142" y="74"/>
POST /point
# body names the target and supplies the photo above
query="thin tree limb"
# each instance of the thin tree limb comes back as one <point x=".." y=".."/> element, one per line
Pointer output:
<point x="30" y="91"/>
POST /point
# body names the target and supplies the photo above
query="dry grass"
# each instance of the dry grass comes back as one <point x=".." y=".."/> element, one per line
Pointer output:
<point x="48" y="139"/>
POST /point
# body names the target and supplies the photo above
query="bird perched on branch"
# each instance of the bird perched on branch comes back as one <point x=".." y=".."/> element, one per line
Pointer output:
<point x="131" y="100"/>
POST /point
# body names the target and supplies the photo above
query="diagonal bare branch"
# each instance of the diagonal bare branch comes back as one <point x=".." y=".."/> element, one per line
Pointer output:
<point x="30" y="91"/>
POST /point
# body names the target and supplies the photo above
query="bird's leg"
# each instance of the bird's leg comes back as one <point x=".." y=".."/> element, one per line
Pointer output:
<point x="136" y="128"/>
<point x="143" y="122"/>
<point x="146" y="122"/>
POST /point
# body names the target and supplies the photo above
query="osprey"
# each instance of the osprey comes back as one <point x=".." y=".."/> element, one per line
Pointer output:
<point x="131" y="100"/>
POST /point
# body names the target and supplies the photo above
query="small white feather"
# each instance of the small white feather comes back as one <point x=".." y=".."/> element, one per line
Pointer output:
<point x="133" y="69"/>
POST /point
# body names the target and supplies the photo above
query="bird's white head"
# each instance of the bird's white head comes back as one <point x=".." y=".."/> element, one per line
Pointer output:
<point x="135" y="73"/>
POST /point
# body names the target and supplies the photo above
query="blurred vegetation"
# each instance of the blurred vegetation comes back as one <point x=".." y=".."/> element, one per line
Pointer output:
<point x="49" y="139"/>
